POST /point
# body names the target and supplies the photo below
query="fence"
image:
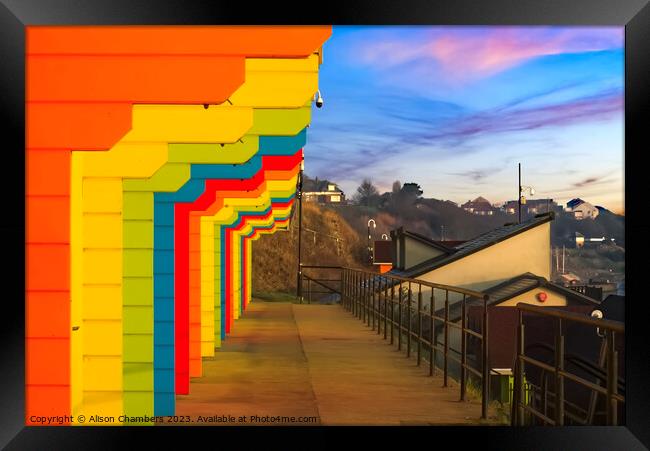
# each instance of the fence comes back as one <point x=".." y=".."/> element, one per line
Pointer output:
<point x="325" y="285"/>
<point x="398" y="307"/>
<point x="606" y="372"/>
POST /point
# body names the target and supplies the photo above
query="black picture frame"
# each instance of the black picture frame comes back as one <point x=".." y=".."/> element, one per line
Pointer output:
<point x="16" y="14"/>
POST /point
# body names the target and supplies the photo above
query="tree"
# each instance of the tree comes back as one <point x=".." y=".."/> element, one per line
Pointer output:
<point x="397" y="187"/>
<point x="367" y="194"/>
<point x="412" y="191"/>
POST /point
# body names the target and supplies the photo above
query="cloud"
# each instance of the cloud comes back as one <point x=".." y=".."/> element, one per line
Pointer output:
<point x="477" y="175"/>
<point x="416" y="144"/>
<point x="587" y="182"/>
<point x="462" y="54"/>
<point x="602" y="106"/>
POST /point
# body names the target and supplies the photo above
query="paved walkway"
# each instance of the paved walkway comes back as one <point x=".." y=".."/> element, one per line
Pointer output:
<point x="288" y="360"/>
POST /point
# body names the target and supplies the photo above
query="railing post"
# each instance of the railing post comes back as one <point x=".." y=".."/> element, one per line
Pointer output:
<point x="486" y="361"/>
<point x="419" y="322"/>
<point x="308" y="291"/>
<point x="357" y="289"/>
<point x="374" y="298"/>
<point x="362" y="295"/>
<point x="559" y="379"/>
<point x="343" y="286"/>
<point x="445" y="364"/>
<point x="385" y="308"/>
<point x="408" y="329"/>
<point x="519" y="379"/>
<point x="399" y="320"/>
<point x="379" y="306"/>
<point x="369" y="296"/>
<point x="612" y="379"/>
<point x="367" y="302"/>
<point x="354" y="293"/>
<point x="432" y="338"/>
<point x="300" y="286"/>
<point x="463" y="350"/>
<point x="392" y="314"/>
<point x="342" y="289"/>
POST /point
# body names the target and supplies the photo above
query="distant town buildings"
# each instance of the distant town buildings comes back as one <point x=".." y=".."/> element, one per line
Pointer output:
<point x="479" y="206"/>
<point x="531" y="207"/>
<point x="581" y="209"/>
<point x="581" y="240"/>
<point x="332" y="195"/>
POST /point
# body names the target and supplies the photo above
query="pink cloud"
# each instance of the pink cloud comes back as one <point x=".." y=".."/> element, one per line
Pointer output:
<point x="468" y="53"/>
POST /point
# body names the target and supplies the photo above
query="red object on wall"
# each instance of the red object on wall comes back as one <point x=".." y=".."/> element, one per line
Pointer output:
<point x="541" y="296"/>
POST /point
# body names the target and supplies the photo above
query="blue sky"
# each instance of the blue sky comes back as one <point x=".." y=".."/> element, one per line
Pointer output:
<point x="456" y="108"/>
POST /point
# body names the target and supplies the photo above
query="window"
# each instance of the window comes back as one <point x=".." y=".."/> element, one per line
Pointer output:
<point x="335" y="198"/>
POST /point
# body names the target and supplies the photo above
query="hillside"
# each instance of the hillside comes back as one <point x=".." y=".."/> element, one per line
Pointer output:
<point x="275" y="256"/>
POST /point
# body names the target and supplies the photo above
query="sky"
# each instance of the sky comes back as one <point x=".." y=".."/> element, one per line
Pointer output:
<point x="455" y="108"/>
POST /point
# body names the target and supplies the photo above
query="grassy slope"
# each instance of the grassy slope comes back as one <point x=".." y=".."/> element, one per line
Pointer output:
<point x="275" y="256"/>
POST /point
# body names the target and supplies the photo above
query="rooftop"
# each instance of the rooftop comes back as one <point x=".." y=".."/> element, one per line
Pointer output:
<point x="474" y="245"/>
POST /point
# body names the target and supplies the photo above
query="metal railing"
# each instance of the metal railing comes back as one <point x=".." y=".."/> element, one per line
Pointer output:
<point x="560" y="372"/>
<point x="397" y="307"/>
<point x="325" y="285"/>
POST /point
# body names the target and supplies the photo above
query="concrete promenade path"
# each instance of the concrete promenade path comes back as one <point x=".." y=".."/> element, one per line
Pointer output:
<point x="289" y="360"/>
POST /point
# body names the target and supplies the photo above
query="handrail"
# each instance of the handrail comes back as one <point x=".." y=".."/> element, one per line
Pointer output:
<point x="318" y="282"/>
<point x="558" y="371"/>
<point x="581" y="363"/>
<point x="615" y="326"/>
<point x="460" y="290"/>
<point x="377" y="299"/>
<point x="319" y="266"/>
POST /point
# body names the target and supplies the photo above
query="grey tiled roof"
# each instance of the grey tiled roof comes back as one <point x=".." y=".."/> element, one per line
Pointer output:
<point x="480" y="242"/>
<point x="527" y="281"/>
<point x="513" y="287"/>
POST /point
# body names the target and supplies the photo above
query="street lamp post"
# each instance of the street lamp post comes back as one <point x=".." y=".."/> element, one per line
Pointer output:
<point x="522" y="189"/>
<point x="374" y="225"/>
<point x="519" y="195"/>
<point x="299" y="272"/>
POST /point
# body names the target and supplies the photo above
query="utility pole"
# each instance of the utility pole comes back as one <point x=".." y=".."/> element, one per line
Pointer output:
<point x="299" y="272"/>
<point x="519" y="195"/>
<point x="563" y="259"/>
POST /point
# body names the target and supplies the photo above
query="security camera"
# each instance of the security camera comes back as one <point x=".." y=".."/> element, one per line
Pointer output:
<point x="319" y="99"/>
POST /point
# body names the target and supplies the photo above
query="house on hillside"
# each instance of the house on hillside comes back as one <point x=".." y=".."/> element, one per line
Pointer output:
<point x="479" y="206"/>
<point x="332" y="195"/>
<point x="581" y="209"/>
<point x="531" y="207"/>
